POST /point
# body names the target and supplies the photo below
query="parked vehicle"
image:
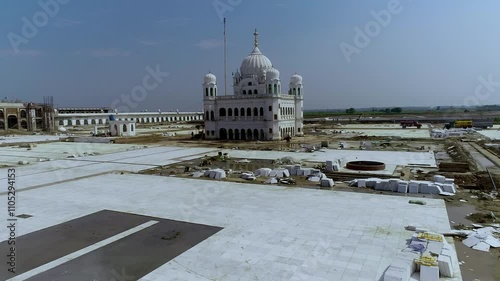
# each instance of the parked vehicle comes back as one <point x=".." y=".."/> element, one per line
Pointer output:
<point x="483" y="124"/>
<point x="408" y="123"/>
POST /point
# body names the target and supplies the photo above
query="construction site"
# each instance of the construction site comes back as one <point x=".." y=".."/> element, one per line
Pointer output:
<point x="339" y="203"/>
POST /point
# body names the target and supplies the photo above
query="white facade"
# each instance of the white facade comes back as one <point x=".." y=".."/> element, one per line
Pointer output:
<point x="122" y="128"/>
<point x="257" y="110"/>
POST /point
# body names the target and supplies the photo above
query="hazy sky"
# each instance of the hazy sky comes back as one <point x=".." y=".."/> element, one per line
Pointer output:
<point x="94" y="52"/>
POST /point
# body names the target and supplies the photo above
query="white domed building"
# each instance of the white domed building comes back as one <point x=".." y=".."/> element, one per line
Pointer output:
<point x="257" y="109"/>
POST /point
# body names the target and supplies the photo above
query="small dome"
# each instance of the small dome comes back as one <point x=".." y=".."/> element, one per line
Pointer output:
<point x="272" y="74"/>
<point x="296" y="79"/>
<point x="210" y="78"/>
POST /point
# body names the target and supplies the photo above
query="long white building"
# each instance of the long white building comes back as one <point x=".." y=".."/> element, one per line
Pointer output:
<point x="258" y="110"/>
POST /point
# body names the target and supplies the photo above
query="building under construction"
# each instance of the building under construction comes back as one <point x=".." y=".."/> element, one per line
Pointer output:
<point x="27" y="116"/>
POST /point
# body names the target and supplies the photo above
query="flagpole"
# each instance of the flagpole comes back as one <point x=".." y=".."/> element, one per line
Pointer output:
<point x="225" y="60"/>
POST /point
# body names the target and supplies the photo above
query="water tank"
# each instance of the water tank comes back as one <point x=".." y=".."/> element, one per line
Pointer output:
<point x="111" y="118"/>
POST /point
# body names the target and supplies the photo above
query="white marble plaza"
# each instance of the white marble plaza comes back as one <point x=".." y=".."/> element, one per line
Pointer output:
<point x="270" y="232"/>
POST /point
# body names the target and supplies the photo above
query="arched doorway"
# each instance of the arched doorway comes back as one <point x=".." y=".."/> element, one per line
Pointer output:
<point x="255" y="134"/>
<point x="249" y="134"/>
<point x="261" y="134"/>
<point x="231" y="134"/>
<point x="12" y="122"/>
<point x="24" y="124"/>
<point x="223" y="134"/>
<point x="236" y="134"/>
<point x="243" y="134"/>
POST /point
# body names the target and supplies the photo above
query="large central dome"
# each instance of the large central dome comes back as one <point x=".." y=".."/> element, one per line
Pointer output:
<point x="255" y="63"/>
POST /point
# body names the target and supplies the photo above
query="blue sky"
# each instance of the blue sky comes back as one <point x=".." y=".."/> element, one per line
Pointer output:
<point x="91" y="53"/>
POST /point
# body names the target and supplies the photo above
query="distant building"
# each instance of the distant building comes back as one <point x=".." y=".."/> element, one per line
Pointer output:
<point x="65" y="110"/>
<point x="13" y="116"/>
<point x="258" y="110"/>
<point x="21" y="116"/>
<point x="122" y="128"/>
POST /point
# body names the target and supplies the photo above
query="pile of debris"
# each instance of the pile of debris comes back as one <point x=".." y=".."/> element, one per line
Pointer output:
<point x="286" y="161"/>
<point x="427" y="257"/>
<point x="440" y="185"/>
<point x="482" y="238"/>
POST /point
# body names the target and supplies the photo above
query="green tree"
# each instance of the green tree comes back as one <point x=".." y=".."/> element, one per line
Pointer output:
<point x="350" y="111"/>
<point x="397" y="110"/>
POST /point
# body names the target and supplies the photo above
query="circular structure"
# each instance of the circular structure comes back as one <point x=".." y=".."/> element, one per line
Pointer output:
<point x="210" y="78"/>
<point x="296" y="79"/>
<point x="365" y="165"/>
<point x="272" y="74"/>
<point x="254" y="63"/>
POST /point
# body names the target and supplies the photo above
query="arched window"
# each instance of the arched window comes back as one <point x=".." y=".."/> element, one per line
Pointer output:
<point x="244" y="92"/>
<point x="249" y="83"/>
<point x="275" y="88"/>
<point x="270" y="89"/>
<point x="23" y="114"/>
<point x="294" y="91"/>
<point x="206" y="92"/>
<point x="131" y="127"/>
<point x="261" y="111"/>
<point x="229" y="112"/>
<point x="212" y="116"/>
<point x="298" y="91"/>
<point x="249" y="111"/>
<point x="222" y="112"/>
<point x="124" y="127"/>
<point x="255" y="92"/>
<point x="211" y="91"/>
<point x="255" y="111"/>
<point x="215" y="91"/>
<point x="242" y="111"/>
<point x="236" y="112"/>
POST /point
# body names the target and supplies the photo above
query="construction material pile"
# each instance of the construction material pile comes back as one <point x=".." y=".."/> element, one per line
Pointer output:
<point x="428" y="257"/>
<point x="440" y="185"/>
<point x="213" y="173"/>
